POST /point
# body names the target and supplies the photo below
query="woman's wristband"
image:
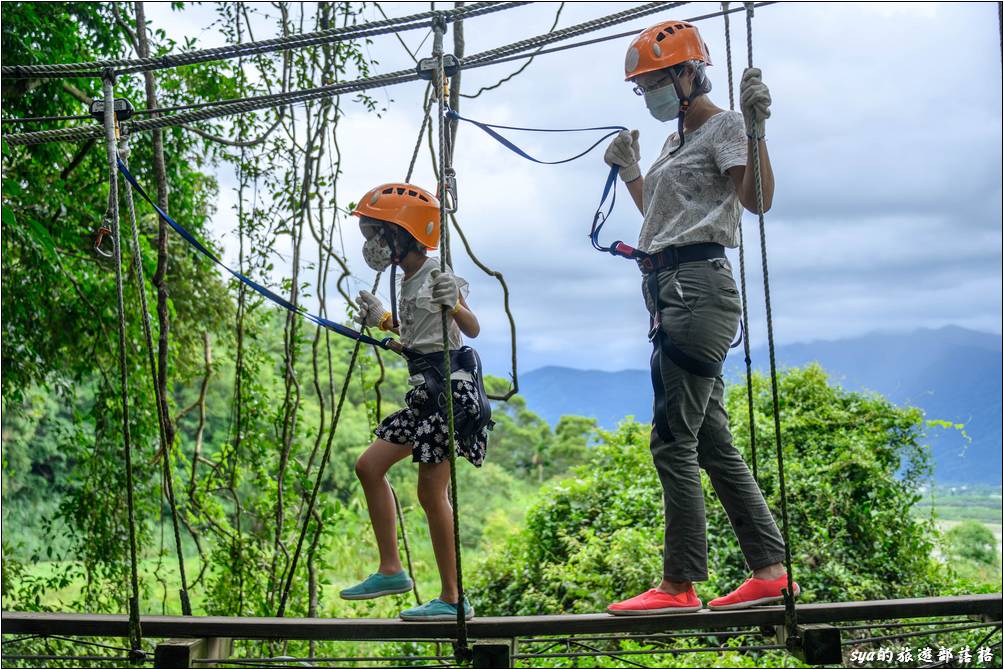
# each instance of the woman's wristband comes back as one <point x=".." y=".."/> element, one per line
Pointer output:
<point x="384" y="319"/>
<point x="456" y="308"/>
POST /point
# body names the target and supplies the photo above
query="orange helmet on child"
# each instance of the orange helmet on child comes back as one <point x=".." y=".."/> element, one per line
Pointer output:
<point x="406" y="205"/>
<point x="664" y="45"/>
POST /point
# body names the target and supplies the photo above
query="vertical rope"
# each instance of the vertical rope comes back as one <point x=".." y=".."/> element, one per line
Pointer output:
<point x="291" y="571"/>
<point x="789" y="600"/>
<point x="111" y="130"/>
<point x="165" y="448"/>
<point x="462" y="650"/>
<point x="742" y="270"/>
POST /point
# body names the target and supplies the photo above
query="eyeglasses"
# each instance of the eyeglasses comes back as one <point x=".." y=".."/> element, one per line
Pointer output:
<point x="642" y="90"/>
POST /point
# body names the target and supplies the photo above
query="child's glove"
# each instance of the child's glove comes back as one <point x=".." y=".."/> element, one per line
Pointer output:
<point x="445" y="291"/>
<point x="624" y="152"/>
<point x="371" y="311"/>
<point x="754" y="98"/>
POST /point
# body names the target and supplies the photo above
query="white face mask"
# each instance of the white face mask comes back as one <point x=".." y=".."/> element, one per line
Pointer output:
<point x="376" y="253"/>
<point x="663" y="103"/>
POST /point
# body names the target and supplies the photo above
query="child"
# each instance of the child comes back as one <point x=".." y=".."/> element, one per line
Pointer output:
<point x="400" y="222"/>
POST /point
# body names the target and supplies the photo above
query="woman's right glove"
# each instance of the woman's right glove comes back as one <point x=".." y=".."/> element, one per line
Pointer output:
<point x="371" y="312"/>
<point x="624" y="152"/>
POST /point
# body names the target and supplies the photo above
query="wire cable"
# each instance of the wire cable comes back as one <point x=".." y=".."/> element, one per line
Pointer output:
<point x="128" y="66"/>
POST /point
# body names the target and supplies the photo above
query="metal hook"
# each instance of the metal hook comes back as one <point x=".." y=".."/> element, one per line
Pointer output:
<point x="450" y="201"/>
<point x="99" y="238"/>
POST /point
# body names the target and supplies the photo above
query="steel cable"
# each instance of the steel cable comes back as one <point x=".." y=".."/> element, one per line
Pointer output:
<point x="742" y="270"/>
<point x="128" y="66"/>
<point x="210" y="110"/>
<point x="791" y="615"/>
<point x="440" y="83"/>
<point x="135" y="632"/>
<point x="165" y="448"/>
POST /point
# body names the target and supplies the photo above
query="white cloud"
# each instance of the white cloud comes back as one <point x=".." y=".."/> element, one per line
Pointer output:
<point x="887" y="153"/>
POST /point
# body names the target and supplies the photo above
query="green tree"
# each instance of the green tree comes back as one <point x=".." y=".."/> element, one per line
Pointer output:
<point x="972" y="541"/>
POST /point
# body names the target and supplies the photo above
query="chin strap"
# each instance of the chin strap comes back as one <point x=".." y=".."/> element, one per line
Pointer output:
<point x="684" y="107"/>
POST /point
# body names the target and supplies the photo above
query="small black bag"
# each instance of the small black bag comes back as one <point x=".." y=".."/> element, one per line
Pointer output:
<point x="430" y="366"/>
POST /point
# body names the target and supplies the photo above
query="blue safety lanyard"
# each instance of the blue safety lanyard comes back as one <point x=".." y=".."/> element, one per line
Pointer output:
<point x="609" y="188"/>
<point x="274" y="297"/>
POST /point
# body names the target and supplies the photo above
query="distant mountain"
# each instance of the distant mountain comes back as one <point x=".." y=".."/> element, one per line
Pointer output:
<point x="951" y="373"/>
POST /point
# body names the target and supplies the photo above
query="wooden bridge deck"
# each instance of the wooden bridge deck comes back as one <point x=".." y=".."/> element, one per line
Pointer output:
<point x="988" y="606"/>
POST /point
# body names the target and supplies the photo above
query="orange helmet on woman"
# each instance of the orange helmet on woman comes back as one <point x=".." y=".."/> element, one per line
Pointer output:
<point x="665" y="45"/>
<point x="406" y="205"/>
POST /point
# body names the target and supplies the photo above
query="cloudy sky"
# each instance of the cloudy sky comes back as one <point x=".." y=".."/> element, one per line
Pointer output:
<point x="885" y="138"/>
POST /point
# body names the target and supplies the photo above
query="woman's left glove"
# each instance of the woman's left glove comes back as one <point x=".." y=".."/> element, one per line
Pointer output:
<point x="754" y="98"/>
<point x="625" y="153"/>
<point x="445" y="290"/>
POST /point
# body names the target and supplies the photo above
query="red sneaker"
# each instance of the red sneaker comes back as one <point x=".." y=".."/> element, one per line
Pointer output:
<point x="655" y="601"/>
<point x="754" y="592"/>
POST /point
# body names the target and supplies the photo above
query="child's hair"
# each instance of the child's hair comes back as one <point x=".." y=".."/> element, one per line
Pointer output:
<point x="404" y="242"/>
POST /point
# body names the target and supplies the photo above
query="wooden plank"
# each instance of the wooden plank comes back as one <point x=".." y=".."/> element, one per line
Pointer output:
<point x="269" y="628"/>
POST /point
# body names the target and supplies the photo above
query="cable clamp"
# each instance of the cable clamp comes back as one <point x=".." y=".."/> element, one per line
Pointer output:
<point x="426" y="68"/>
<point x="123" y="110"/>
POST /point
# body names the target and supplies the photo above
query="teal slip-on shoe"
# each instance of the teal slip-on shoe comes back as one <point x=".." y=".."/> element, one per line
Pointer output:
<point x="437" y="610"/>
<point x="377" y="585"/>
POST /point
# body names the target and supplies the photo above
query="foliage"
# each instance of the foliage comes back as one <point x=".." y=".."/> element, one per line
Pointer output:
<point x="854" y="463"/>
<point x="532" y="448"/>
<point x="970" y="550"/>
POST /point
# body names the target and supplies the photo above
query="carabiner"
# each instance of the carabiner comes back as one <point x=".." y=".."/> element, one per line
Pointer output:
<point x="99" y="238"/>
<point x="450" y="201"/>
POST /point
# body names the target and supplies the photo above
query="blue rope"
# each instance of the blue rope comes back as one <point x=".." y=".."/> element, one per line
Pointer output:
<point x="274" y="297"/>
<point x="609" y="188"/>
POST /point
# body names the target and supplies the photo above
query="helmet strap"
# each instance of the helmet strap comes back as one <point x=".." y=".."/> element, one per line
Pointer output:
<point x="684" y="107"/>
<point x="389" y="237"/>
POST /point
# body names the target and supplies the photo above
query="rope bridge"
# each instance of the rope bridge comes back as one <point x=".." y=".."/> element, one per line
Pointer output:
<point x="502" y="641"/>
<point x="806" y="631"/>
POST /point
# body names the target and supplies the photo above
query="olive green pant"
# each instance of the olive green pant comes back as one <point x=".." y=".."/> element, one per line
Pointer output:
<point x="698" y="307"/>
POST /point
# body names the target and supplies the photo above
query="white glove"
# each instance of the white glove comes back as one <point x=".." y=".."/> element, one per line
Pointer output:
<point x="625" y="152"/>
<point x="754" y="99"/>
<point x="445" y="291"/>
<point x="371" y="311"/>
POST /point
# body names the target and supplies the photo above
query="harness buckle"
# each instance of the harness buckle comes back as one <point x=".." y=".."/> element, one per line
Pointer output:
<point x="99" y="237"/>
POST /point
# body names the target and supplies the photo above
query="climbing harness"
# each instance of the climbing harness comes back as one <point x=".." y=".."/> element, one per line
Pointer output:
<point x="386" y="343"/>
<point x="466" y="359"/>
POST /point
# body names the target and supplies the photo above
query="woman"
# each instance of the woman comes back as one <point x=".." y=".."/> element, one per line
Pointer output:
<point x="692" y="199"/>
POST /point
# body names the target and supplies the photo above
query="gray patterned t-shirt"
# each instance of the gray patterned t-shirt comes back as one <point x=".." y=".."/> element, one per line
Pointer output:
<point x="422" y="320"/>
<point x="688" y="198"/>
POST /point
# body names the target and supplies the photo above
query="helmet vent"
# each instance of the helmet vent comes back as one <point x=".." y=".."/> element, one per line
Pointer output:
<point x="388" y="191"/>
<point x="413" y="194"/>
<point x="422" y="198"/>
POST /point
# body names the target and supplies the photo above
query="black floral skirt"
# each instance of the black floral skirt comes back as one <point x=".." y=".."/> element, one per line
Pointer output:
<point x="426" y="433"/>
